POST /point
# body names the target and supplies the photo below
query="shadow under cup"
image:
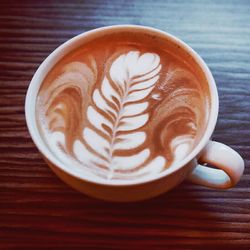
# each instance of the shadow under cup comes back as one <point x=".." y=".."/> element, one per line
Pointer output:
<point x="199" y="93"/>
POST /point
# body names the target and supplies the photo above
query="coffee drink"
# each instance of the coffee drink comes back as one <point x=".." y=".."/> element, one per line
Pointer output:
<point x="123" y="106"/>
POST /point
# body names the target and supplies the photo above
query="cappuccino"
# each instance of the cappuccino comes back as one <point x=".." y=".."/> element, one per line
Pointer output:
<point x="123" y="106"/>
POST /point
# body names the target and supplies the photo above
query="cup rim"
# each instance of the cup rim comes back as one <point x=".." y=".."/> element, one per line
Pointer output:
<point x="60" y="51"/>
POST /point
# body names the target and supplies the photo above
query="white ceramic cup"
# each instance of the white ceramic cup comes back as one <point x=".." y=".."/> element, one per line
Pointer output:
<point x="228" y="163"/>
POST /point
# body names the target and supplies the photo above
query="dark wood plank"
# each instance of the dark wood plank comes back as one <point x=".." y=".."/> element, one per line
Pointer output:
<point x="38" y="211"/>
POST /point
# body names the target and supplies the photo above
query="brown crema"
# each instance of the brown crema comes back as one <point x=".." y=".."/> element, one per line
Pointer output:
<point x="122" y="103"/>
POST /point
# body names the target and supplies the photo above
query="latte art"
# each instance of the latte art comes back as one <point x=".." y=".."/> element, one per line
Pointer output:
<point x="121" y="111"/>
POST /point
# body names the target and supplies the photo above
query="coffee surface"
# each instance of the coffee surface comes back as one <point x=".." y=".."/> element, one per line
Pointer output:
<point x="123" y="106"/>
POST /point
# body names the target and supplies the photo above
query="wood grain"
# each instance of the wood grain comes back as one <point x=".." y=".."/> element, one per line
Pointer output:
<point x="38" y="211"/>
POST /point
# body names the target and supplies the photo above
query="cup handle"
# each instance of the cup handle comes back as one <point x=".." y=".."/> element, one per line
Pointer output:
<point x="229" y="167"/>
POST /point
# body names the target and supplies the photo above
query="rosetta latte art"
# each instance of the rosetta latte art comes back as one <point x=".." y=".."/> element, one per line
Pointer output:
<point x="130" y="121"/>
<point x="123" y="99"/>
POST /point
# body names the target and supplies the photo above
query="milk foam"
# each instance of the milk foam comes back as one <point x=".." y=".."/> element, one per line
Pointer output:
<point x="130" y="119"/>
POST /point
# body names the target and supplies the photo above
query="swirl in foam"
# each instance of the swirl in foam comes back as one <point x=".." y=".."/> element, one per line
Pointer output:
<point x="123" y="113"/>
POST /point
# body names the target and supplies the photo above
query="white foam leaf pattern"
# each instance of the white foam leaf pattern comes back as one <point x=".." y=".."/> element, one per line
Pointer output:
<point x="135" y="108"/>
<point x="132" y="123"/>
<point x="149" y="75"/>
<point x="145" y="84"/>
<point x="97" y="120"/>
<point x="129" y="141"/>
<point x="94" y="140"/>
<point x="108" y="91"/>
<point x="130" y="162"/>
<point x="139" y="95"/>
<point x="119" y="108"/>
<point x="100" y="102"/>
<point x="85" y="156"/>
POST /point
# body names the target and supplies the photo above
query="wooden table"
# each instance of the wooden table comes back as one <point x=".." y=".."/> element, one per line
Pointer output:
<point x="38" y="211"/>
